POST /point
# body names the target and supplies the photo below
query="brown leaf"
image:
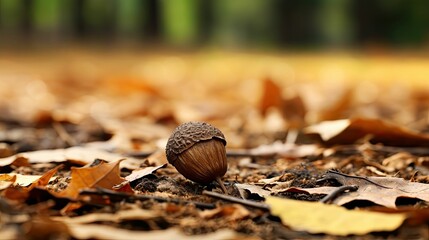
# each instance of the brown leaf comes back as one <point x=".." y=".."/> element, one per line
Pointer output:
<point x="380" y="190"/>
<point x="398" y="161"/>
<point x="271" y="97"/>
<point x="45" y="178"/>
<point x="96" y="231"/>
<point x="78" y="155"/>
<point x="348" y="131"/>
<point x="24" y="184"/>
<point x="228" y="212"/>
<point x="6" y="181"/>
<point x="294" y="111"/>
<point x="123" y="215"/>
<point x="44" y="228"/>
<point x="105" y="175"/>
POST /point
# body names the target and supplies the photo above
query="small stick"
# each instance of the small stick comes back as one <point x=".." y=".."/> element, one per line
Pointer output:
<point x="237" y="200"/>
<point x="131" y="197"/>
<point x="141" y="154"/>
<point x="63" y="134"/>
<point x="338" y="191"/>
<point x="219" y="181"/>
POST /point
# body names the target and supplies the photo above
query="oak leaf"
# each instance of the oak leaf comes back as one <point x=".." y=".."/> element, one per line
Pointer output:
<point x="104" y="175"/>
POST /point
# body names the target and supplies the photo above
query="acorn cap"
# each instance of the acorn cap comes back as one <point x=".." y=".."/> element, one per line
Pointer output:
<point x="187" y="134"/>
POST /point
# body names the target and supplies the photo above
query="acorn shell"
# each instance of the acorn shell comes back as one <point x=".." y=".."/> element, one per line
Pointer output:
<point x="197" y="150"/>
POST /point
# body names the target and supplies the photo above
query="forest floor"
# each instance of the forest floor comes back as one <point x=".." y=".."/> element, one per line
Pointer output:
<point x="83" y="135"/>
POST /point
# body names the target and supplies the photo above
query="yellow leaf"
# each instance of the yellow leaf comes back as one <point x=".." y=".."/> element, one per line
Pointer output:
<point x="315" y="217"/>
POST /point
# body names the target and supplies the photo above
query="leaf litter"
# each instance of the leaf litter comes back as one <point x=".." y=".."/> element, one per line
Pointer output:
<point x="113" y="181"/>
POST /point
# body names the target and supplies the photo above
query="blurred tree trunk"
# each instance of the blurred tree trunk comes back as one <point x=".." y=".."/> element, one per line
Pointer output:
<point x="129" y="18"/>
<point x="180" y="23"/>
<point x="243" y="22"/>
<point x="51" y="19"/>
<point x="11" y="20"/>
<point x="335" y="22"/>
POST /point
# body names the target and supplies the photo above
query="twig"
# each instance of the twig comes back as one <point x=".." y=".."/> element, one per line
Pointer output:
<point x="63" y="134"/>
<point x="222" y="186"/>
<point x="338" y="191"/>
<point x="237" y="200"/>
<point x="143" y="154"/>
<point x="331" y="174"/>
<point x="133" y="197"/>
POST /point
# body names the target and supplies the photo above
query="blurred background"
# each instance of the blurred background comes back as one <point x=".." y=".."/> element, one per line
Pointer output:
<point x="140" y="67"/>
<point x="267" y="24"/>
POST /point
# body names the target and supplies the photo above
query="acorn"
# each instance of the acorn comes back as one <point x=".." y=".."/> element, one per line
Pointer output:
<point x="197" y="151"/>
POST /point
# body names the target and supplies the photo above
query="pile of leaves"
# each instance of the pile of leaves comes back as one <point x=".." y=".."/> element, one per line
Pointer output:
<point x="82" y="152"/>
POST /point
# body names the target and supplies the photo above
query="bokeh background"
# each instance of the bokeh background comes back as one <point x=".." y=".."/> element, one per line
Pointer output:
<point x="250" y="67"/>
<point x="242" y="23"/>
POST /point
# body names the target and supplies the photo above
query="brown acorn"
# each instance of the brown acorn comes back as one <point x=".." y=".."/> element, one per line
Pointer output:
<point x="197" y="151"/>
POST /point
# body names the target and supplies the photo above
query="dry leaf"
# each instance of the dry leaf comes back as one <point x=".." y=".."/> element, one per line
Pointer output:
<point x="124" y="215"/>
<point x="228" y="213"/>
<point x="315" y="217"/>
<point x="158" y="157"/>
<point x="105" y="175"/>
<point x="278" y="148"/>
<point x="247" y="189"/>
<point x="94" y="231"/>
<point x="78" y="155"/>
<point x="294" y="111"/>
<point x="33" y="180"/>
<point x="398" y="161"/>
<point x="45" y="178"/>
<point x="45" y="228"/>
<point x="380" y="190"/>
<point x="21" y="180"/>
<point x="348" y="131"/>
<point x="139" y="173"/>
<point x="6" y="180"/>
<point x="271" y="96"/>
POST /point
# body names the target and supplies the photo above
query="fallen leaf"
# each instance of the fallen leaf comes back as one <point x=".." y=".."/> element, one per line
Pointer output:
<point x="277" y="149"/>
<point x="379" y="190"/>
<point x="247" y="189"/>
<point x="6" y="180"/>
<point x="130" y="214"/>
<point x="105" y="175"/>
<point x="271" y="96"/>
<point x="33" y="180"/>
<point x="398" y="161"/>
<point x="294" y="111"/>
<point x="78" y="155"/>
<point x="158" y="157"/>
<point x="228" y="212"/>
<point x="315" y="217"/>
<point x="45" y="178"/>
<point x="139" y="173"/>
<point x="348" y="131"/>
<point x="45" y="228"/>
<point x="21" y="180"/>
<point x="95" y="231"/>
